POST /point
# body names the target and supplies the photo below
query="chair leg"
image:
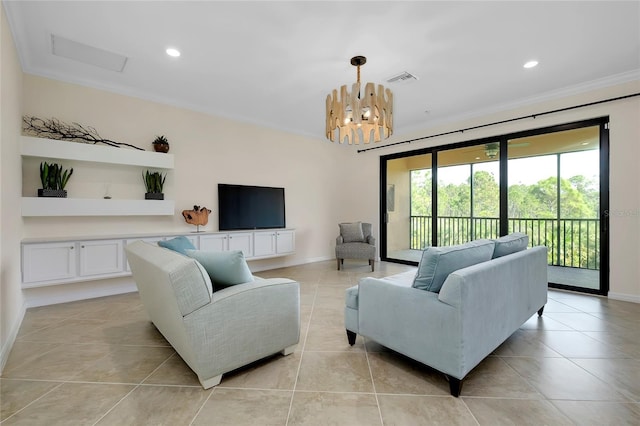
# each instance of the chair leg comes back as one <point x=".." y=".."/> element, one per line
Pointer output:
<point x="351" y="337"/>
<point x="210" y="382"/>
<point x="455" y="386"/>
<point x="288" y="350"/>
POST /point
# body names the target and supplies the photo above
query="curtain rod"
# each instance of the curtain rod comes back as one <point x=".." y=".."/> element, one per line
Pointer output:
<point x="501" y="122"/>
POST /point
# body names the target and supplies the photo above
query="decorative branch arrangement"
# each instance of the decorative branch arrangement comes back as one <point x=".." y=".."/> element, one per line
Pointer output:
<point x="59" y="130"/>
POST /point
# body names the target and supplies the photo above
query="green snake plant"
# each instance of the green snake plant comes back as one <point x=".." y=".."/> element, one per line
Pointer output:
<point x="53" y="176"/>
<point x="153" y="181"/>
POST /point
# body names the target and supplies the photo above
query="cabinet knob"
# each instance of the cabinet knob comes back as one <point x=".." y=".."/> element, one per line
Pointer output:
<point x="71" y="248"/>
<point x="82" y="246"/>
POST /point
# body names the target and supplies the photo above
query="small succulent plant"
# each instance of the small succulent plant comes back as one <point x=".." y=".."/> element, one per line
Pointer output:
<point x="53" y="176"/>
<point x="160" y="140"/>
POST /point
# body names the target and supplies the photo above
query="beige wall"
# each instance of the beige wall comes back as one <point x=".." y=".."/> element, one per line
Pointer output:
<point x="208" y="150"/>
<point x="11" y="298"/>
<point x="624" y="171"/>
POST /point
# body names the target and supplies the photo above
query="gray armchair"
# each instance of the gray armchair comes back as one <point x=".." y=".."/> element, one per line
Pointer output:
<point x="355" y="242"/>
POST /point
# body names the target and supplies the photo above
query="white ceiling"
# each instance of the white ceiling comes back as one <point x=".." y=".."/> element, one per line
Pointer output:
<point x="273" y="63"/>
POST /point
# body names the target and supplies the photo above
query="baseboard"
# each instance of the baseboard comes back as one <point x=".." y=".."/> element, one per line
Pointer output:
<point x="624" y="297"/>
<point x="11" y="339"/>
<point x="52" y="295"/>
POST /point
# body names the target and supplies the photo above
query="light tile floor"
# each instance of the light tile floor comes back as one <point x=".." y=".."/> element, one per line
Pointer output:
<point x="101" y="362"/>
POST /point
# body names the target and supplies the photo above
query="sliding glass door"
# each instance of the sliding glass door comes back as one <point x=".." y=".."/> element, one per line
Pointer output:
<point x="554" y="197"/>
<point x="407" y="207"/>
<point x="468" y="194"/>
<point x="549" y="183"/>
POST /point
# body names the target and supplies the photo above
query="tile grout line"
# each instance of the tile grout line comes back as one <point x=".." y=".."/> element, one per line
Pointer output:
<point x="33" y="402"/>
<point x="304" y="344"/>
<point x="373" y="383"/>
<point x="132" y="390"/>
<point x="116" y="404"/>
<point x="202" y="406"/>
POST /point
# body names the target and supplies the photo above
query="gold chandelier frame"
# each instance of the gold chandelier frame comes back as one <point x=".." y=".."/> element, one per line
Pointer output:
<point x="359" y="116"/>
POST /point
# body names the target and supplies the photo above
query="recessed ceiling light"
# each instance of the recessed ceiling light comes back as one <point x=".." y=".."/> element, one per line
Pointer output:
<point x="174" y="53"/>
<point x="531" y="64"/>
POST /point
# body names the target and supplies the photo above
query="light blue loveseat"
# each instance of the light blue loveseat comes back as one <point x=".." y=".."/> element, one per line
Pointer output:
<point x="214" y="333"/>
<point x="477" y="308"/>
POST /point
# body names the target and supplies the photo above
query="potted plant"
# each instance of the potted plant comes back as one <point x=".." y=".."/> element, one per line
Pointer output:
<point x="153" y="182"/>
<point x="54" y="179"/>
<point x="161" y="144"/>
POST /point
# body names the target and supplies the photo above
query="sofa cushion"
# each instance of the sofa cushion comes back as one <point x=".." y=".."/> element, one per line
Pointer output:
<point x="352" y="232"/>
<point x="179" y="244"/>
<point x="512" y="243"/>
<point x="438" y="262"/>
<point x="225" y="268"/>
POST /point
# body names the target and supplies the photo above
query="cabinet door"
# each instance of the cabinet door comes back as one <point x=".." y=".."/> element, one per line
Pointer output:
<point x="193" y="239"/>
<point x="102" y="257"/>
<point x="285" y="242"/>
<point x="242" y="241"/>
<point x="264" y="243"/>
<point x="214" y="242"/>
<point x="48" y="262"/>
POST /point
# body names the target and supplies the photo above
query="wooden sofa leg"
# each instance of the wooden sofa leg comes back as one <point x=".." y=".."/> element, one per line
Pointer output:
<point x="455" y="386"/>
<point x="540" y="311"/>
<point x="351" y="337"/>
<point x="371" y="264"/>
<point x="338" y="260"/>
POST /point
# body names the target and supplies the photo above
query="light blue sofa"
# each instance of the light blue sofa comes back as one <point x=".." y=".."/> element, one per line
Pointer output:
<point x="214" y="333"/>
<point x="477" y="308"/>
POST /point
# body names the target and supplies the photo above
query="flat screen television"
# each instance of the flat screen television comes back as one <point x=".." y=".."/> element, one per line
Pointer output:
<point x="250" y="207"/>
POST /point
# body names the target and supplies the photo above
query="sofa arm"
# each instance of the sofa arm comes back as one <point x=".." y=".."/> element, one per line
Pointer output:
<point x="245" y="322"/>
<point x="494" y="298"/>
<point x="339" y="240"/>
<point x="371" y="240"/>
<point x="410" y="321"/>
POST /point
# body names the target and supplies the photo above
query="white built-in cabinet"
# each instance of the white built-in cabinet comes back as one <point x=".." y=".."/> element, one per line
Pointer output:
<point x="46" y="263"/>
<point x="242" y="241"/>
<point x="214" y="242"/>
<point x="65" y="150"/>
<point x="100" y="257"/>
<point x="273" y="243"/>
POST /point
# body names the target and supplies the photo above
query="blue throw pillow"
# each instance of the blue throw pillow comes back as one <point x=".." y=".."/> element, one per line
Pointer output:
<point x="225" y="268"/>
<point x="438" y="262"/>
<point x="509" y="244"/>
<point x="179" y="244"/>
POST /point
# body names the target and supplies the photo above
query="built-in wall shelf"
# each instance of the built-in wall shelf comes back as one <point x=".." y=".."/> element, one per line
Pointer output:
<point x="65" y="150"/>
<point x="44" y="206"/>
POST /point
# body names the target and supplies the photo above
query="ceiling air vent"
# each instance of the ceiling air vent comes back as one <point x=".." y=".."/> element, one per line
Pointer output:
<point x="64" y="47"/>
<point x="403" y="76"/>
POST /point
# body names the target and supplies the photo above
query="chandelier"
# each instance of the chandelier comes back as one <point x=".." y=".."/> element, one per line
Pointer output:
<point x="360" y="116"/>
